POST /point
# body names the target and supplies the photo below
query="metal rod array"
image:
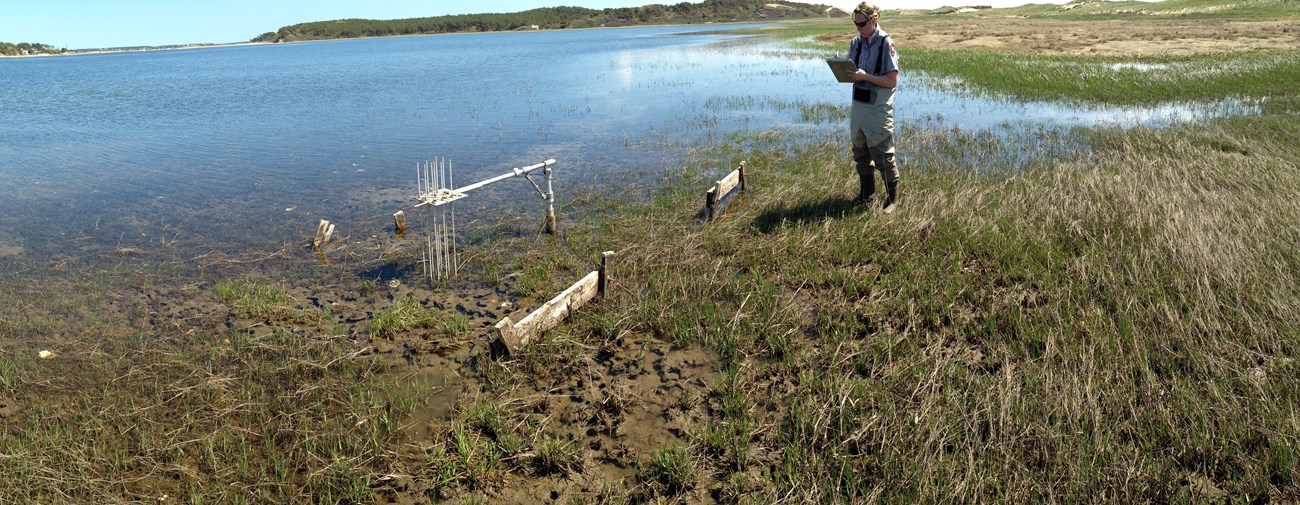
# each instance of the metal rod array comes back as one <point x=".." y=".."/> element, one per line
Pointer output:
<point x="433" y="178"/>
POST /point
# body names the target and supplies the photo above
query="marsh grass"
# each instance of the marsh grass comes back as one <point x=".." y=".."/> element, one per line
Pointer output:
<point x="669" y="471"/>
<point x="1110" y="323"/>
<point x="407" y="314"/>
<point x="283" y="417"/>
<point x="1084" y="316"/>
<point x="253" y="296"/>
<point x="558" y="455"/>
<point x="491" y="437"/>
<point x="1025" y="72"/>
<point x="260" y="299"/>
<point x="1207" y="77"/>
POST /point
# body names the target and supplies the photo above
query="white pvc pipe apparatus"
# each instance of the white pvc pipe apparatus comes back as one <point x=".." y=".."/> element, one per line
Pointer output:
<point x="434" y="194"/>
<point x="433" y="179"/>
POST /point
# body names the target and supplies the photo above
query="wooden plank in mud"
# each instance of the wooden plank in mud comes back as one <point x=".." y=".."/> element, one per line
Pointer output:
<point x="714" y="197"/>
<point x="511" y="336"/>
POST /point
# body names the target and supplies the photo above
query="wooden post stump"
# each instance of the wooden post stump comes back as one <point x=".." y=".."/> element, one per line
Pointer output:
<point x="399" y="221"/>
<point x="324" y="233"/>
<point x="602" y="288"/>
<point x="711" y="204"/>
<point x="744" y="182"/>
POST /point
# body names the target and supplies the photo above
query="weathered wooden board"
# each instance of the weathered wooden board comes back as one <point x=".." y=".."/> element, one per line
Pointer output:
<point x="728" y="183"/>
<point x="713" y="199"/>
<point x="324" y="233"/>
<point x="511" y="335"/>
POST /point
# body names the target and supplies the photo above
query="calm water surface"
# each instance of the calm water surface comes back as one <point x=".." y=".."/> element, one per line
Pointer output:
<point x="236" y="148"/>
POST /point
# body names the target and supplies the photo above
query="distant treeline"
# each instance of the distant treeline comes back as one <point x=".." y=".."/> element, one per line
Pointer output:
<point x="26" y="48"/>
<point x="551" y="18"/>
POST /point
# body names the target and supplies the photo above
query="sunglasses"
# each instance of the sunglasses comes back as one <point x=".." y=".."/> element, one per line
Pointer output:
<point x="864" y="23"/>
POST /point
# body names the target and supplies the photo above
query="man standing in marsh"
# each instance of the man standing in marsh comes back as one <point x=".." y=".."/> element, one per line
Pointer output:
<point x="871" y="122"/>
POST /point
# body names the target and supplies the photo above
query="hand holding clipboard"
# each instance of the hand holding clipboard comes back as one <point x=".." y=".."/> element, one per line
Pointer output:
<point x="843" y="68"/>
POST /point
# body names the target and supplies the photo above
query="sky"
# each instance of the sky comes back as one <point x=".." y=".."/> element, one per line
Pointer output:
<point x="89" y="24"/>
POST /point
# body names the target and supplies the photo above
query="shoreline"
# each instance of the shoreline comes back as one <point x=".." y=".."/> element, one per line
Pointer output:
<point x="85" y="52"/>
<point x="150" y="49"/>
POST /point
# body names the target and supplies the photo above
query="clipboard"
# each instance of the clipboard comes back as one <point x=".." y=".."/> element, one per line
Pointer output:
<point x="843" y="68"/>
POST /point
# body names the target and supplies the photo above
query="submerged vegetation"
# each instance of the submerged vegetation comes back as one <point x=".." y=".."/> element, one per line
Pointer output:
<point x="1119" y="322"/>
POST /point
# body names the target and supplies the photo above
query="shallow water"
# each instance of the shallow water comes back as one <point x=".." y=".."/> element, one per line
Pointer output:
<point x="945" y="108"/>
<point x="244" y="148"/>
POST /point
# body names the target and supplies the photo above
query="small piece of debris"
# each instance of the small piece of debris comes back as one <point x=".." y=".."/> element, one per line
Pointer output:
<point x="46" y="355"/>
<point x="394" y="283"/>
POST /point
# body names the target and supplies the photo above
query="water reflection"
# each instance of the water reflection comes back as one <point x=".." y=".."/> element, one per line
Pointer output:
<point x="206" y="149"/>
<point x="1140" y="67"/>
<point x="936" y="106"/>
<point x="927" y="100"/>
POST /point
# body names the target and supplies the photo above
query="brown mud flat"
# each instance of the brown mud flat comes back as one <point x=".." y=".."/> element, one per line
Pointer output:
<point x="617" y="410"/>
<point x="618" y="402"/>
<point x="1135" y="38"/>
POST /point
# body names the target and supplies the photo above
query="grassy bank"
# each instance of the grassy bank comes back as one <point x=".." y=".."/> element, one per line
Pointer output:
<point x="1121" y="327"/>
<point x="1116" y="325"/>
<point x="1113" y="79"/>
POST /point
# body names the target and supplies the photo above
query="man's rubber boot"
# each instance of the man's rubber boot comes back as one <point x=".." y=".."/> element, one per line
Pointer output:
<point x="891" y="198"/>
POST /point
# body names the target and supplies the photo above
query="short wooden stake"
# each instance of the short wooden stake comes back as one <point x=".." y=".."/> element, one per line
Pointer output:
<point x="399" y="220"/>
<point x="603" y="285"/>
<point x="744" y="182"/>
<point x="324" y="232"/>
<point x="710" y="203"/>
